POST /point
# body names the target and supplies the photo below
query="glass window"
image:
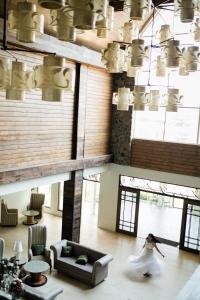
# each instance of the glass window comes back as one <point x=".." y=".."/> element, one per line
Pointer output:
<point x="149" y="125"/>
<point x="46" y="189"/>
<point x="182" y="126"/>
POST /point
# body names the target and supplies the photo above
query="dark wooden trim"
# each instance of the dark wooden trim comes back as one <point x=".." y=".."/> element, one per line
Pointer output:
<point x="137" y="192"/>
<point x="53" y="169"/>
<point x="75" y="113"/>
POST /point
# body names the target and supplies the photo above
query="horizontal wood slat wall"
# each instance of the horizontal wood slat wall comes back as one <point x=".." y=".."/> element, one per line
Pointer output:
<point x="166" y="157"/>
<point x="98" y="112"/>
<point x="34" y="132"/>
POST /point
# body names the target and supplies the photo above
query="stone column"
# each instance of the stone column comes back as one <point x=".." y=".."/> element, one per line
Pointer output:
<point x="121" y="124"/>
<point x="72" y="198"/>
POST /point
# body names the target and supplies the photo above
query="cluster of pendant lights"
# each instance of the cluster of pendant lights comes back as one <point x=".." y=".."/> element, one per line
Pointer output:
<point x="15" y="79"/>
<point x="67" y="18"/>
<point x="130" y="55"/>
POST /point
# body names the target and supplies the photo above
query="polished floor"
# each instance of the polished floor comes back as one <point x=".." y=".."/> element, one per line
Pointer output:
<point x="122" y="283"/>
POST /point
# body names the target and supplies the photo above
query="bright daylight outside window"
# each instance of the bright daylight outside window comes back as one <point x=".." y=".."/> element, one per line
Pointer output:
<point x="46" y="189"/>
<point x="181" y="126"/>
<point x="60" y="196"/>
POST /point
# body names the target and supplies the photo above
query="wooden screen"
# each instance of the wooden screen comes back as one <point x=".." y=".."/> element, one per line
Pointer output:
<point x="165" y="156"/>
<point x="98" y="112"/>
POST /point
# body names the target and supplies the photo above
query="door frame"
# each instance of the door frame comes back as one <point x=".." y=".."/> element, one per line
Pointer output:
<point x="137" y="192"/>
<point x="184" y="223"/>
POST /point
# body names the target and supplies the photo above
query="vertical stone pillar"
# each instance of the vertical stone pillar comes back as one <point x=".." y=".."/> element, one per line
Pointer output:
<point x="72" y="198"/>
<point x="121" y="124"/>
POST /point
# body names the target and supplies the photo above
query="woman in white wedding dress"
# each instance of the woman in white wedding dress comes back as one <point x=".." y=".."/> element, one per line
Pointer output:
<point x="146" y="263"/>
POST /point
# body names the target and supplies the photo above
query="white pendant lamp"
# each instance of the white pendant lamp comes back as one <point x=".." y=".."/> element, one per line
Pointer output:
<point x="173" y="53"/>
<point x="105" y="24"/>
<point x="113" y="57"/>
<point x="26" y="21"/>
<point x="59" y="78"/>
<point x="123" y="98"/>
<point x="173" y="100"/>
<point x="140" y="97"/>
<point x="139" y="53"/>
<point x="15" y="90"/>
<point x="5" y="69"/>
<point x="139" y="9"/>
<point x="154" y="98"/>
<point x="129" y="32"/>
<point x="62" y="24"/>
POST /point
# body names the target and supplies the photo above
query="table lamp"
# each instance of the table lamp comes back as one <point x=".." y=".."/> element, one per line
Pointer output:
<point x="18" y="249"/>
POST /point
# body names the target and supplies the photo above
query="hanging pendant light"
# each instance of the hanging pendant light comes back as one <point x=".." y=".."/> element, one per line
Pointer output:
<point x="173" y="53"/>
<point x="197" y="30"/>
<point x="5" y="69"/>
<point x="139" y="53"/>
<point x="113" y="58"/>
<point x="191" y="57"/>
<point x="59" y="78"/>
<point x="122" y="98"/>
<point x="128" y="32"/>
<point x="26" y="21"/>
<point x="105" y="24"/>
<point x="186" y="9"/>
<point x="154" y="98"/>
<point x="139" y="9"/>
<point x="52" y="4"/>
<point x="140" y="97"/>
<point x="62" y="24"/>
<point x="15" y="90"/>
<point x="160" y="66"/>
<point x="173" y="100"/>
<point x="183" y="71"/>
<point x="164" y="34"/>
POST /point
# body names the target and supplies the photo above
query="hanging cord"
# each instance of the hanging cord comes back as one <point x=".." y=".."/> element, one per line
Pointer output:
<point x="151" y="45"/>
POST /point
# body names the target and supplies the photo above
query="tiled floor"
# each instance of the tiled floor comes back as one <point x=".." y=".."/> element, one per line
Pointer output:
<point x="122" y="283"/>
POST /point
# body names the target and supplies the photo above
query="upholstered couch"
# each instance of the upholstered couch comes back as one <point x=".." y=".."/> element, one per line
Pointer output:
<point x="49" y="291"/>
<point x="92" y="273"/>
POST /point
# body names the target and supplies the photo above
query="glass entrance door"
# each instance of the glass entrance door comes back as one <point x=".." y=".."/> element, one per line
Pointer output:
<point x="190" y="233"/>
<point x="128" y="208"/>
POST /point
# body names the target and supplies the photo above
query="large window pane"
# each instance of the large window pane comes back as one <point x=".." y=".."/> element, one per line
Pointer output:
<point x="60" y="196"/>
<point x="149" y="125"/>
<point x="46" y="189"/>
<point x="182" y="126"/>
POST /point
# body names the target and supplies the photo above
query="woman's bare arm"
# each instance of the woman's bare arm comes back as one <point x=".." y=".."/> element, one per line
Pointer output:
<point x="159" y="251"/>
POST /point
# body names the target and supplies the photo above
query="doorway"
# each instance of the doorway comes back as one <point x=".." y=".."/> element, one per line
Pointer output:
<point x="163" y="215"/>
<point x="175" y="220"/>
<point x="90" y="199"/>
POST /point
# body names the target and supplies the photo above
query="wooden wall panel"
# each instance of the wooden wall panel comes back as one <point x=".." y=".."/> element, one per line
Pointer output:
<point x="166" y="157"/>
<point x="34" y="132"/>
<point x="98" y="112"/>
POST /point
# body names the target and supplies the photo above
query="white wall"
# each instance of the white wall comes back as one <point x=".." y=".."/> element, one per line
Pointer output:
<point x="53" y="210"/>
<point x="18" y="200"/>
<point x="108" y="198"/>
<point x="17" y="195"/>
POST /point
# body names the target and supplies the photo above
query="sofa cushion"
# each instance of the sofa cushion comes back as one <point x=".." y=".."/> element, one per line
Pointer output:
<point x="38" y="249"/>
<point x="68" y="265"/>
<point x="82" y="260"/>
<point x="66" y="251"/>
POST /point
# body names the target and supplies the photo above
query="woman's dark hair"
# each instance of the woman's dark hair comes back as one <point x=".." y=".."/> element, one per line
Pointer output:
<point x="154" y="239"/>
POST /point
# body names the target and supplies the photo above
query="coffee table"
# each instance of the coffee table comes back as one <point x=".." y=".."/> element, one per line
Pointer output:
<point x="30" y="214"/>
<point x="35" y="268"/>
